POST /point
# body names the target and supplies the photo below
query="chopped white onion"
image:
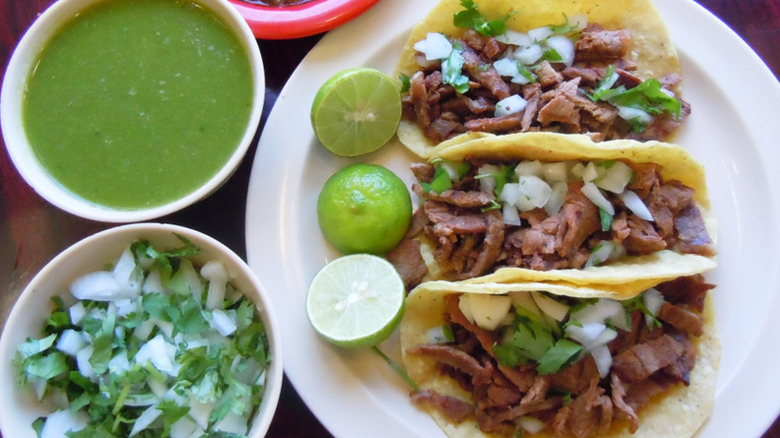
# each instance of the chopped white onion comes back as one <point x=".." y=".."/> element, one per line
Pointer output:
<point x="587" y="334"/>
<point x="522" y="79"/>
<point x="602" y="311"/>
<point x="554" y="172"/>
<point x="529" y="55"/>
<point x="615" y="178"/>
<point x="487" y="183"/>
<point x="185" y="428"/>
<point x="601" y="254"/>
<point x="232" y="423"/>
<point x="558" y="195"/>
<point x="510" y="193"/>
<point x="529" y="168"/>
<point x="59" y="422"/>
<point x="653" y="300"/>
<point x="510" y="105"/>
<point x="488" y="311"/>
<point x="126" y="273"/>
<point x="535" y="189"/>
<point x="636" y="205"/>
<point x="603" y="359"/>
<point x="592" y="172"/>
<point x="530" y="424"/>
<point x="153" y="282"/>
<point x="524" y="300"/>
<point x="160" y="353"/>
<point x="222" y="323"/>
<point x="146" y="418"/>
<point x="434" y="46"/>
<point x="511" y="215"/>
<point x="119" y="363"/>
<point x="101" y="286"/>
<point x="550" y="306"/>
<point x="506" y="67"/>
<point x="564" y="46"/>
<point x="515" y="38"/>
<point x="215" y="272"/>
<point x="82" y="361"/>
<point x="628" y="113"/>
<point x="540" y="33"/>
<point x="578" y="170"/>
<point x="436" y="335"/>
<point x="594" y="194"/>
<point x="71" y="342"/>
<point x="77" y="312"/>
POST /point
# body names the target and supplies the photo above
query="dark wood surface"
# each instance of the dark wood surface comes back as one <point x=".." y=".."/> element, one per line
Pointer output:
<point x="32" y="231"/>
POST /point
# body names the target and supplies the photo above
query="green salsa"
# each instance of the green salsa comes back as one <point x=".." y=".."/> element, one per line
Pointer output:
<point x="136" y="103"/>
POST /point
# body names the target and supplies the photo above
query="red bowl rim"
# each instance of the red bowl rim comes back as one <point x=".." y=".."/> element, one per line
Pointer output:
<point x="268" y="22"/>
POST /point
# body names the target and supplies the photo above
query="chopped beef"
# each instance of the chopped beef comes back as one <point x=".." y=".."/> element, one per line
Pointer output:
<point x="599" y="44"/>
<point x="691" y="233"/>
<point x="682" y="319"/>
<point x="469" y="238"/>
<point x="554" y="106"/>
<point x="408" y="262"/>
<point x="575" y="400"/>
<point x="453" y="408"/>
<point x="642" y="360"/>
<point x="687" y="291"/>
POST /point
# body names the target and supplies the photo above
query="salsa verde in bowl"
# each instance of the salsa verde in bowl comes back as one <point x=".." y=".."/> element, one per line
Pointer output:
<point x="127" y="110"/>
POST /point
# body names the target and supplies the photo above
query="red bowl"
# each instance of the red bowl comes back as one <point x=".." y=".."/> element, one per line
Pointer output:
<point x="282" y="22"/>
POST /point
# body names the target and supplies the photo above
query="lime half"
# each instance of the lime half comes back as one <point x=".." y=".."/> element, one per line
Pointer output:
<point x="356" y="300"/>
<point x="356" y="111"/>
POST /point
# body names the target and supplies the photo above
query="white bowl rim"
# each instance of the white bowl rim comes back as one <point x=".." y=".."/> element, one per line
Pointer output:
<point x="43" y="183"/>
<point x="127" y="233"/>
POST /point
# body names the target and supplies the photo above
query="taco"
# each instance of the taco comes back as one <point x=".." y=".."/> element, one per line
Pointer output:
<point x="504" y="209"/>
<point x="486" y="67"/>
<point x="540" y="360"/>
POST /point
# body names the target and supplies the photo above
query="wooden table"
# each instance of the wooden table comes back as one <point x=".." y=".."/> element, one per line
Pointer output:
<point x="32" y="231"/>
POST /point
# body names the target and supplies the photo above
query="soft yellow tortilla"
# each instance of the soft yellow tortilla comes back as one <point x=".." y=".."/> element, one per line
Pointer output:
<point x="651" y="47"/>
<point x="632" y="274"/>
<point x="679" y="412"/>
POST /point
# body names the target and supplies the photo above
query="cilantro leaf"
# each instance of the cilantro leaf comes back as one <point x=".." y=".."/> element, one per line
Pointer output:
<point x="530" y="340"/>
<point x="406" y="82"/>
<point x="451" y="69"/>
<point x="171" y="413"/>
<point x="47" y="367"/>
<point x="563" y="353"/>
<point x="565" y="27"/>
<point x="471" y="18"/>
<point x="441" y="180"/>
<point x="606" y="219"/>
<point x="551" y="55"/>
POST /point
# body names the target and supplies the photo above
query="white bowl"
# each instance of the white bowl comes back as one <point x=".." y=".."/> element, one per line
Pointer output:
<point x="19" y="407"/>
<point x="35" y="174"/>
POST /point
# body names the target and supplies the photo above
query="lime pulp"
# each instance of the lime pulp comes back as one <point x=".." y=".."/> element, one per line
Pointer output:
<point x="356" y="300"/>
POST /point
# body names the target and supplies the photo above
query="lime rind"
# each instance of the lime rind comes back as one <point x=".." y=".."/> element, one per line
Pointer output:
<point x="356" y="300"/>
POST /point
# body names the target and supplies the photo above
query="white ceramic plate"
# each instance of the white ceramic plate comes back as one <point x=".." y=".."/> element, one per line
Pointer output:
<point x="731" y="131"/>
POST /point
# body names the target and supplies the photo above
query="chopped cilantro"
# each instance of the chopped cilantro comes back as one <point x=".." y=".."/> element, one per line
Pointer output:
<point x="565" y="27"/>
<point x="637" y="303"/>
<point x="471" y="18"/>
<point x="451" y="69"/>
<point x="492" y="206"/>
<point x="551" y="55"/>
<point x="563" y="353"/>
<point x="524" y="71"/>
<point x="406" y="82"/>
<point x="115" y="389"/>
<point x="529" y="341"/>
<point x="606" y="219"/>
<point x="441" y="180"/>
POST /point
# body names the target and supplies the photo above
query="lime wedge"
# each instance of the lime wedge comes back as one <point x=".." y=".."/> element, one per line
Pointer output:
<point x="356" y="300"/>
<point x="356" y="111"/>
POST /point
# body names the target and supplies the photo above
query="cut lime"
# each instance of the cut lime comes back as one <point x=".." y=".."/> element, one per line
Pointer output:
<point x="356" y="300"/>
<point x="356" y="111"/>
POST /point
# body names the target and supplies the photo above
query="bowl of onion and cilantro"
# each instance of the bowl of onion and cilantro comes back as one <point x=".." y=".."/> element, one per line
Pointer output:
<point x="143" y="330"/>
